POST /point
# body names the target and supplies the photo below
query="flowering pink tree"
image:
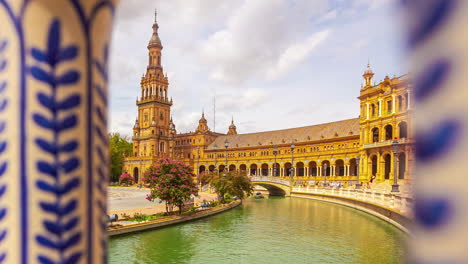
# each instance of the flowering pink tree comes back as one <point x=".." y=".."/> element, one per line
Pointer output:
<point x="126" y="179"/>
<point x="172" y="182"/>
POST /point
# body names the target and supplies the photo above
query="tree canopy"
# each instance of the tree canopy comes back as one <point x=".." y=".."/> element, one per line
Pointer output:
<point x="231" y="183"/>
<point x="118" y="147"/>
<point x="170" y="181"/>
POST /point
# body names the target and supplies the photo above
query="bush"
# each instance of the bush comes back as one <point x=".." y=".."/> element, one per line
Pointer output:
<point x="126" y="179"/>
<point x="228" y="198"/>
<point x="139" y="217"/>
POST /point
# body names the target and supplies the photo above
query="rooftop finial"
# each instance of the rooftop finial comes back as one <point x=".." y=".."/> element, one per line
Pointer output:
<point x="155" y="16"/>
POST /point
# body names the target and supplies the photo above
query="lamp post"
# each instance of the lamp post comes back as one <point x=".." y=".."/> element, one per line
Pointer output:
<point x="198" y="160"/>
<point x="226" y="145"/>
<point x="275" y="152"/>
<point x="291" y="174"/>
<point x="395" y="186"/>
<point x="358" y="184"/>
<point x="216" y="161"/>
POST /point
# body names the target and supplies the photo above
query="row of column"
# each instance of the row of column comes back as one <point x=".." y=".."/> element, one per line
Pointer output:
<point x="282" y="171"/>
<point x="380" y="106"/>
<point x="154" y="91"/>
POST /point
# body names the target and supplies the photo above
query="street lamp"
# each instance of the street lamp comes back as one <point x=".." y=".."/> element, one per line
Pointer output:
<point x="275" y="152"/>
<point x="395" y="186"/>
<point x="358" y="184"/>
<point x="291" y="174"/>
<point x="226" y="145"/>
<point x="198" y="160"/>
<point x="215" y="147"/>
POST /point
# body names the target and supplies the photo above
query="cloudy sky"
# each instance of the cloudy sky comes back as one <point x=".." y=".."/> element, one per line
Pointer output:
<point x="272" y="64"/>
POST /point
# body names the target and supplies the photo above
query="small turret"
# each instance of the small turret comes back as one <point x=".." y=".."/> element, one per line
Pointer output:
<point x="368" y="76"/>
<point x="232" y="128"/>
<point x="202" y="124"/>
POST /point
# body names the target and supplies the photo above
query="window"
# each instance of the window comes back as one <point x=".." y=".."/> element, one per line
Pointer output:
<point x="145" y="118"/>
<point x="161" y="116"/>
<point x="389" y="107"/>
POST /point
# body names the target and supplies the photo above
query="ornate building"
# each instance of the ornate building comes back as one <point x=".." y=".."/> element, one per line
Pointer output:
<point x="324" y="152"/>
<point x="153" y="132"/>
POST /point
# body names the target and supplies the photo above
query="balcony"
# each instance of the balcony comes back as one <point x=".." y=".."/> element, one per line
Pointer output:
<point x="385" y="143"/>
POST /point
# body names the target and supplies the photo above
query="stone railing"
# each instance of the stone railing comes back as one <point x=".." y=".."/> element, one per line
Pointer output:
<point x="270" y="179"/>
<point x="397" y="202"/>
<point x="385" y="143"/>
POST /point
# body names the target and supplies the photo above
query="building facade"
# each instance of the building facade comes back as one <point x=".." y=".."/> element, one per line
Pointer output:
<point x="372" y="145"/>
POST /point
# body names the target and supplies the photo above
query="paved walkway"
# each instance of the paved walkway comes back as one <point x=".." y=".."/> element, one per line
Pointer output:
<point x="122" y="198"/>
<point x="129" y="200"/>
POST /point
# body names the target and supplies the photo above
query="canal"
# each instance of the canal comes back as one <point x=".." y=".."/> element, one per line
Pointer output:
<point x="275" y="230"/>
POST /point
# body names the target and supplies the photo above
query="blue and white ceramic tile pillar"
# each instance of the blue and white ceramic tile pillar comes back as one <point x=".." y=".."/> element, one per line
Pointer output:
<point x="53" y="143"/>
<point x="438" y="51"/>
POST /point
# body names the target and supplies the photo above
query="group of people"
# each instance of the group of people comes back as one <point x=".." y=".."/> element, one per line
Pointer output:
<point x="305" y="184"/>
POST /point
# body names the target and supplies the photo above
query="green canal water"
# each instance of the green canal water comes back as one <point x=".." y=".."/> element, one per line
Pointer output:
<point x="275" y="230"/>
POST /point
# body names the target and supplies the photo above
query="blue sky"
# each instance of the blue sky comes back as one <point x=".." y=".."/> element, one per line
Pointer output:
<point x="272" y="64"/>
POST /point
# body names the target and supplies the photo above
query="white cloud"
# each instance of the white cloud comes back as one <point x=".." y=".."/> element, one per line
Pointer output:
<point x="256" y="36"/>
<point x="296" y="54"/>
<point x="256" y="55"/>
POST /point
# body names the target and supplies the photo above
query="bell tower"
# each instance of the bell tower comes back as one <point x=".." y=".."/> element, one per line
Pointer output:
<point x="153" y="133"/>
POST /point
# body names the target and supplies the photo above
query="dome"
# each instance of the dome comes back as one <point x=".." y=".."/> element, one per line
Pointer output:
<point x="202" y="119"/>
<point x="368" y="70"/>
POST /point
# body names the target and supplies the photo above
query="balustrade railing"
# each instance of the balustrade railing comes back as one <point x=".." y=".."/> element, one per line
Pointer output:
<point x="397" y="202"/>
<point x="270" y="179"/>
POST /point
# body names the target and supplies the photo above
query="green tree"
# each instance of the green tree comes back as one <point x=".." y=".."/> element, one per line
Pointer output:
<point x="172" y="182"/>
<point x="231" y="183"/>
<point x="118" y="147"/>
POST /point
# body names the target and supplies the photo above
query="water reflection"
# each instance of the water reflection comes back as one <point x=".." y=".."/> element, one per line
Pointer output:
<point x="269" y="231"/>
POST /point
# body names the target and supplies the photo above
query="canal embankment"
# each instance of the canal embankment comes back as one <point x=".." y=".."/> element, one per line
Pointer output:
<point x="115" y="230"/>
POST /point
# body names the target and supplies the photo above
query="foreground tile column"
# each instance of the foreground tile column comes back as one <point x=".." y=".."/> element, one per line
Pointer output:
<point x="53" y="132"/>
<point x="437" y="44"/>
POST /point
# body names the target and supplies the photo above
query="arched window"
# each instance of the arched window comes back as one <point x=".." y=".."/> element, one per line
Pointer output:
<point x="401" y="166"/>
<point x="375" y="135"/>
<point x="299" y="169"/>
<point x="352" y="167"/>
<point x="287" y="169"/>
<point x="253" y="169"/>
<point x="201" y="169"/>
<point x="243" y="168"/>
<point x="264" y="169"/>
<point x="388" y="165"/>
<point x="339" y="168"/>
<point x="161" y="147"/>
<point x="313" y="168"/>
<point x="403" y="127"/>
<point x="400" y="103"/>
<point x="388" y="132"/>
<point x="374" y="165"/>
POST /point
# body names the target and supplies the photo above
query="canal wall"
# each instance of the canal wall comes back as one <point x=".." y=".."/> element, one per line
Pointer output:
<point x="171" y="220"/>
<point x="401" y="221"/>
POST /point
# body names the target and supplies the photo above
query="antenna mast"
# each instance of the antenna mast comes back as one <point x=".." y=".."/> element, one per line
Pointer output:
<point x="214" y="113"/>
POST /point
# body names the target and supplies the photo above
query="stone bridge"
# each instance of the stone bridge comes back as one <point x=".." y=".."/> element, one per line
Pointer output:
<point x="274" y="185"/>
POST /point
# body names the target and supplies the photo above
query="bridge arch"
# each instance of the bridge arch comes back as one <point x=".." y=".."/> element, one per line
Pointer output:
<point x="275" y="187"/>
